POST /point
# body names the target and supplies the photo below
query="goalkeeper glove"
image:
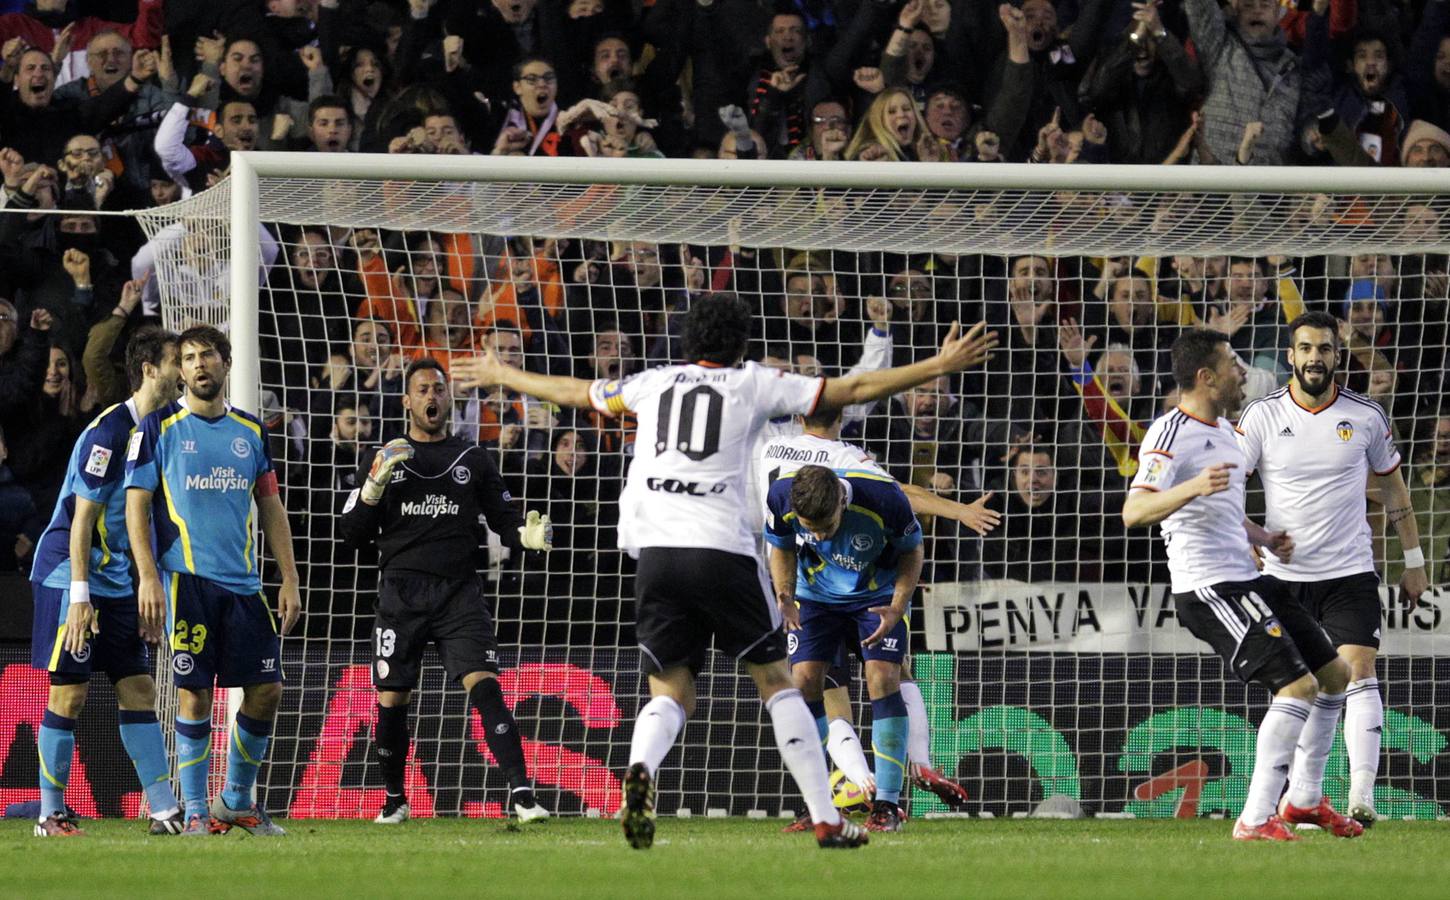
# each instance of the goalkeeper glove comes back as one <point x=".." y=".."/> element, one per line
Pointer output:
<point x="537" y="532"/>
<point x="393" y="452"/>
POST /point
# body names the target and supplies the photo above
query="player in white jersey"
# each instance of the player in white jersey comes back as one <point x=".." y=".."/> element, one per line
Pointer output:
<point x="685" y="514"/>
<point x="818" y="443"/>
<point x="1315" y="445"/>
<point x="1191" y="480"/>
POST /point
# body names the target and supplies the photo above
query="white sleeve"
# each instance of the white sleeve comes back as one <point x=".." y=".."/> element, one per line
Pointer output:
<point x="1384" y="456"/>
<point x="784" y="393"/>
<point x="614" y="396"/>
<point x="1250" y="435"/>
<point x="1155" y="460"/>
<point x="875" y="356"/>
<point x="171" y="142"/>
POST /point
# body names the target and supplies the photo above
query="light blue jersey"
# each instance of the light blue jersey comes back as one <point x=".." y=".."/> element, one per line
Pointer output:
<point x="96" y="472"/>
<point x="859" y="561"/>
<point x="203" y="472"/>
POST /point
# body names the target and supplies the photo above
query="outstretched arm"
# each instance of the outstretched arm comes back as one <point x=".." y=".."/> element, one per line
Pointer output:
<point x="487" y="370"/>
<point x="959" y="351"/>
<point x="975" y="515"/>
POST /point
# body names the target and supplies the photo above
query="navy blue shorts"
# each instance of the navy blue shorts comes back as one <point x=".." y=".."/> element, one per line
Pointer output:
<point x="218" y="637"/>
<point x="825" y="625"/>
<point x="116" y="648"/>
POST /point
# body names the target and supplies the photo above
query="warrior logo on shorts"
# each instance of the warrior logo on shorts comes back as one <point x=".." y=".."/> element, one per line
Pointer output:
<point x="383" y="668"/>
<point x="461" y="474"/>
<point x="84" y="654"/>
<point x="1345" y="430"/>
<point x="792" y="641"/>
<point x="182" y="664"/>
<point x="240" y="448"/>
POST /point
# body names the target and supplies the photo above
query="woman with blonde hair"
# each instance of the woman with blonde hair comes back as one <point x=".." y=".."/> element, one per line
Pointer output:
<point x="889" y="130"/>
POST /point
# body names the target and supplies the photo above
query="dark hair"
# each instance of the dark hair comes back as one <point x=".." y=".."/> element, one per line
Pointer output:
<point x="327" y="101"/>
<point x="518" y="70"/>
<point x="823" y="417"/>
<point x="422" y="364"/>
<point x="1315" y="319"/>
<point x="815" y="494"/>
<point x="343" y="400"/>
<point x="147" y="345"/>
<point x="207" y="336"/>
<point x="1194" y="349"/>
<point x="716" y="329"/>
<point x="619" y="86"/>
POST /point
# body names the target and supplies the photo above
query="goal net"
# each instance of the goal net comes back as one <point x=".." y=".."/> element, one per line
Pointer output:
<point x="1048" y="654"/>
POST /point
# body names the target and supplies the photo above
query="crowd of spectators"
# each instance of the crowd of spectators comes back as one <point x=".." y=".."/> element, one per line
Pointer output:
<point x="109" y="105"/>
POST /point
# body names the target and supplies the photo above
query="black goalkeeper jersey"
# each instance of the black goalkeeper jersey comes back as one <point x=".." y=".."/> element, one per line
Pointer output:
<point x="432" y="515"/>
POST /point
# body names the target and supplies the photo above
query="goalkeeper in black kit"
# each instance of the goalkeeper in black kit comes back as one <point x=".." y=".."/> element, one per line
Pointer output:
<point x="424" y="501"/>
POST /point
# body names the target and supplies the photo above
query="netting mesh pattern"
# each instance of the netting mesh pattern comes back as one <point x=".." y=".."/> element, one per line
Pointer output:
<point x="1047" y="650"/>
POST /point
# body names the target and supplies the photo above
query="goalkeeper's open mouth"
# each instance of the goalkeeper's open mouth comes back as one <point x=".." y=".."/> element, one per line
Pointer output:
<point x="431" y="411"/>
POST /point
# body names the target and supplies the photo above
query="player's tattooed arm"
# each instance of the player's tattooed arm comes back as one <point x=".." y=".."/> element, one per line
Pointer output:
<point x="1401" y="514"/>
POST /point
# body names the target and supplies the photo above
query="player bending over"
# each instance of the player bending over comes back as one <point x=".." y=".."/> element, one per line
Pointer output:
<point x="1315" y="444"/>
<point x="846" y="547"/>
<point x="685" y="514"/>
<point x="85" y="600"/>
<point x="818" y="442"/>
<point x="193" y="469"/>
<point x="423" y="501"/>
<point x="1191" y="479"/>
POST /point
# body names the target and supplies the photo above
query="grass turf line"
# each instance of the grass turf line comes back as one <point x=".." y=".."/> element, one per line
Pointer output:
<point x="728" y="858"/>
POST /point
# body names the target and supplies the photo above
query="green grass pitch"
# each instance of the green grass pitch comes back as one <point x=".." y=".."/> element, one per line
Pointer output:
<point x="728" y="858"/>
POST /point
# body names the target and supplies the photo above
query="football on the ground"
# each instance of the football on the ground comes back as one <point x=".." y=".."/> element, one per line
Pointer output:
<point x="847" y="795"/>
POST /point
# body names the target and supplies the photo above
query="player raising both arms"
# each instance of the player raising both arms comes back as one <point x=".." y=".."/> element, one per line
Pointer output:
<point x="817" y="442"/>
<point x="685" y="514"/>
<point x="1191" y="479"/>
<point x="85" y="601"/>
<point x="1315" y="444"/>
<point x="424" y="501"/>
<point x="193" y="469"/>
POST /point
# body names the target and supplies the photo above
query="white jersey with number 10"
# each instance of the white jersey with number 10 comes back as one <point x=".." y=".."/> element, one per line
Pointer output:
<point x="697" y="428"/>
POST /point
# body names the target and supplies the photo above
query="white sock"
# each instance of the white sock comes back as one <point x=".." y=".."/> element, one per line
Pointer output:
<point x="1278" y="735"/>
<point x="655" y="731"/>
<point x="845" y="749"/>
<point x="1364" y="717"/>
<point x="1306" y="784"/>
<point x="800" y="748"/>
<point x="918" y="736"/>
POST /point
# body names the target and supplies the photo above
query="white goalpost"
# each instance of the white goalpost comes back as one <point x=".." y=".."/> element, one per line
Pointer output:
<point x="1047" y="652"/>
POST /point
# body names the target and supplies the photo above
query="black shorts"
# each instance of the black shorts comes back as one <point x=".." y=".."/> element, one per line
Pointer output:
<point x="839" y="674"/>
<point x="415" y="609"/>
<point x="686" y="596"/>
<point x="1262" y="633"/>
<point x="1348" y="607"/>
